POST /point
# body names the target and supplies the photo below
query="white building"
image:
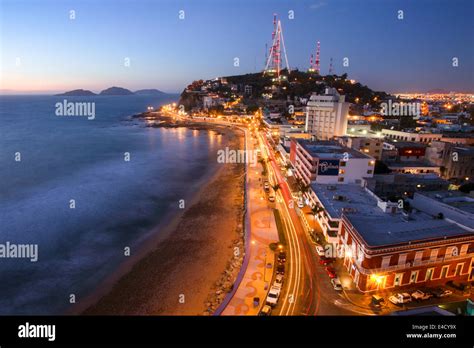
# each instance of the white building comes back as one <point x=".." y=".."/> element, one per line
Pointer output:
<point x="411" y="136"/>
<point x="327" y="162"/>
<point x="326" y="115"/>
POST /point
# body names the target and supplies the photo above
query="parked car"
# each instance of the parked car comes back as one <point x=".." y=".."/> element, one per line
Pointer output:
<point x="271" y="198"/>
<point x="377" y="301"/>
<point x="300" y="204"/>
<point x="336" y="284"/>
<point x="266" y="186"/>
<point x="281" y="269"/>
<point x="320" y="250"/>
<point x="278" y="280"/>
<point x="331" y="272"/>
<point x="400" y="298"/>
<point x="273" y="295"/>
<point x="265" y="311"/>
<point x="419" y="295"/>
<point x="281" y="257"/>
<point x="465" y="288"/>
<point x="325" y="261"/>
<point x="440" y="292"/>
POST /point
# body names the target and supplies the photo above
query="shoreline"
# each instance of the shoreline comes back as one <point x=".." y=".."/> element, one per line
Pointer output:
<point x="171" y="261"/>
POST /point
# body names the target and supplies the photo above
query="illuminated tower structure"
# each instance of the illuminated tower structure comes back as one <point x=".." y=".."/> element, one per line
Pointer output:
<point x="311" y="65"/>
<point x="316" y="63"/>
<point x="314" y="66"/>
<point x="274" y="60"/>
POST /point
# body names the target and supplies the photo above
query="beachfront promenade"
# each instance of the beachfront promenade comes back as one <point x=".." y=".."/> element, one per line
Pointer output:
<point x="258" y="267"/>
<point x="262" y="231"/>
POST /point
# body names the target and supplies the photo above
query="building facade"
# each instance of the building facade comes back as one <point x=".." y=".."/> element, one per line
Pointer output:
<point x="392" y="249"/>
<point x="326" y="115"/>
<point x="327" y="162"/>
<point x="456" y="161"/>
<point x="411" y="136"/>
<point x="370" y="146"/>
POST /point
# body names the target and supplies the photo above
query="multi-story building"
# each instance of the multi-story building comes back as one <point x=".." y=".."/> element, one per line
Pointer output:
<point x="328" y="162"/>
<point x="398" y="185"/>
<point x="456" y="161"/>
<point x="413" y="167"/>
<point x="410" y="136"/>
<point x="334" y="201"/>
<point x="458" y="138"/>
<point x="326" y="115"/>
<point x="370" y="146"/>
<point x="403" y="151"/>
<point x="388" y="249"/>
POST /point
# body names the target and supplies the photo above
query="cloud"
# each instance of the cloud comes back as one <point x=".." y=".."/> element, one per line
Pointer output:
<point x="317" y="5"/>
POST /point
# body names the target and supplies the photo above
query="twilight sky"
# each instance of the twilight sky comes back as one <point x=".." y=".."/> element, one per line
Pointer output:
<point x="43" y="50"/>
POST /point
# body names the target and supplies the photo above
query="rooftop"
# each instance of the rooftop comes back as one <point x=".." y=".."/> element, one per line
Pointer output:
<point x="399" y="144"/>
<point x="454" y="199"/>
<point x="408" y="178"/>
<point x="464" y="150"/>
<point x="378" y="228"/>
<point x="330" y="149"/>
<point x="409" y="164"/>
<point x="343" y="197"/>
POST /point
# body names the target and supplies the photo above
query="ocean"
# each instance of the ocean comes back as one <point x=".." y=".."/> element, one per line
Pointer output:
<point x="66" y="187"/>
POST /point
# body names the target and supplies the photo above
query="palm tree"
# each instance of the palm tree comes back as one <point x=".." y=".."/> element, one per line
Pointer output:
<point x="298" y="181"/>
<point x="276" y="187"/>
<point x="316" y="210"/>
<point x="304" y="188"/>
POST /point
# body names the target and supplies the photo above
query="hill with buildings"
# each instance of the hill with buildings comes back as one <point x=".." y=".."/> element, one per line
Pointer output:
<point x="257" y="89"/>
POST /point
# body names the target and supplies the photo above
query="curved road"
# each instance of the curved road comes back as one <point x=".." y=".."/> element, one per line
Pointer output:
<point x="307" y="290"/>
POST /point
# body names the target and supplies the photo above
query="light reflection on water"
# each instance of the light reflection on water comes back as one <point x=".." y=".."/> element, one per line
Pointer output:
<point x="118" y="202"/>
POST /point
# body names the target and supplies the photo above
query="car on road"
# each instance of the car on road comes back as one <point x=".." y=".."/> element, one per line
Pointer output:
<point x="419" y="295"/>
<point x="281" y="269"/>
<point x="325" y="261"/>
<point x="331" y="272"/>
<point x="440" y="292"/>
<point x="377" y="301"/>
<point x="273" y="295"/>
<point x="400" y="298"/>
<point x="320" y="250"/>
<point x="281" y="257"/>
<point x="265" y="311"/>
<point x="336" y="284"/>
<point x="278" y="280"/>
<point x="271" y="198"/>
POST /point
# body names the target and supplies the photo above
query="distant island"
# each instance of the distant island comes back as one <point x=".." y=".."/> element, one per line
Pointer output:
<point x="149" y="92"/>
<point x="111" y="91"/>
<point x="77" y="92"/>
<point x="116" y="91"/>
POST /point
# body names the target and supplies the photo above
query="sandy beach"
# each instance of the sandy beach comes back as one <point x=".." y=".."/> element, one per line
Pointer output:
<point x="187" y="269"/>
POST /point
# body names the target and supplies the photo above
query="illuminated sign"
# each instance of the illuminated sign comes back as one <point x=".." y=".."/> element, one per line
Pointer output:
<point x="328" y="167"/>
